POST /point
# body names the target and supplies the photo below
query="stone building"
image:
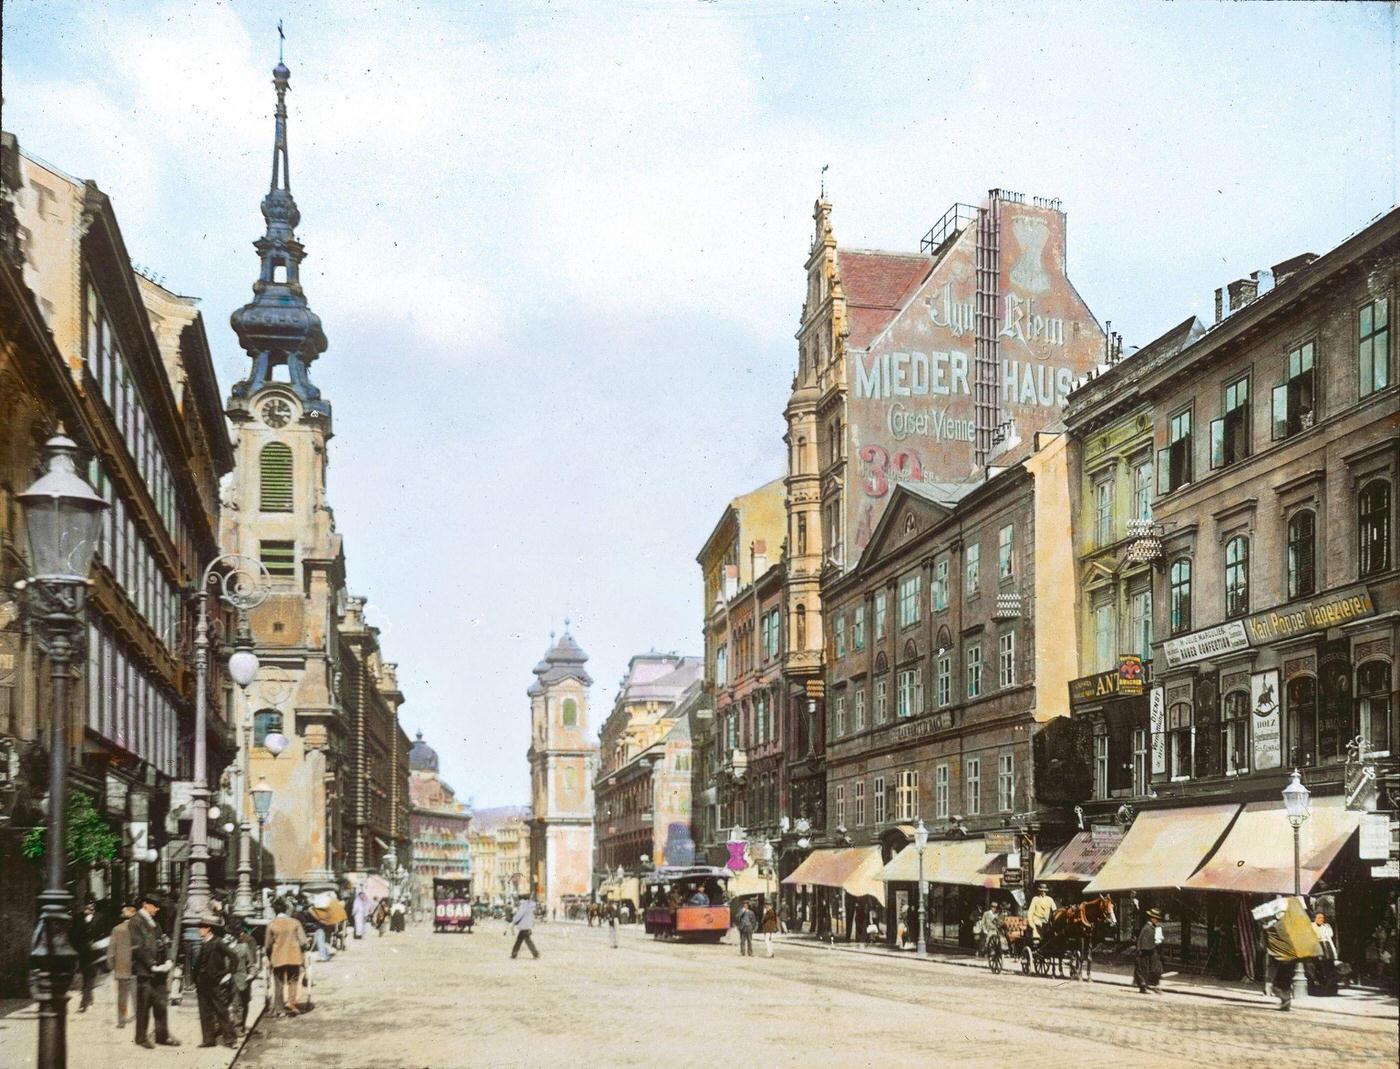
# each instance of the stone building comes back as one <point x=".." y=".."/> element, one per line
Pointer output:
<point x="1271" y="550"/>
<point x="500" y="848"/>
<point x="948" y="653"/>
<point x="440" y="826"/>
<point x="644" y="738"/>
<point x="746" y="541"/>
<point x="340" y="789"/>
<point x="562" y="760"/>
<point x="123" y="365"/>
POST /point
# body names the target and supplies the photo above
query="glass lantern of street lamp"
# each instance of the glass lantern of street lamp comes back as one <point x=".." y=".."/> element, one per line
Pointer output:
<point x="275" y="742"/>
<point x="242" y="666"/>
<point x="920" y="836"/>
<point x="62" y="516"/>
<point x="214" y="812"/>
<point x="1295" y="800"/>
<point x="262" y="798"/>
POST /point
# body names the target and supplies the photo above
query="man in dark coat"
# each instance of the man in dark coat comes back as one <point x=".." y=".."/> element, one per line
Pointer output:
<point x="746" y="922"/>
<point x="214" y="967"/>
<point x="151" y="964"/>
<point x="1147" y="973"/>
<point x="84" y="935"/>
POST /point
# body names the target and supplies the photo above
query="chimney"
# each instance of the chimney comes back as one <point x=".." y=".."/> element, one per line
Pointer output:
<point x="760" y="557"/>
<point x="731" y="580"/>
<point x="1242" y="291"/>
<point x="1219" y="309"/>
<point x="1292" y="265"/>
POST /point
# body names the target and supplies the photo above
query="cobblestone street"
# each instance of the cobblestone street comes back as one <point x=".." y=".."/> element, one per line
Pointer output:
<point x="447" y="1001"/>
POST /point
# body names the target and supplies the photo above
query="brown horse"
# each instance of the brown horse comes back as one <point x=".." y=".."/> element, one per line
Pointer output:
<point x="1069" y="941"/>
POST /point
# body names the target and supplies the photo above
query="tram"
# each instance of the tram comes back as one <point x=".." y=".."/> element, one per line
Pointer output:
<point x="688" y="903"/>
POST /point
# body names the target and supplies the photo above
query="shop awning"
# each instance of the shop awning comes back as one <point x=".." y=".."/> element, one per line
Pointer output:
<point x="1080" y="859"/>
<point x="964" y="862"/>
<point x="854" y="870"/>
<point x="748" y="881"/>
<point x="1164" y="847"/>
<point x="1257" y="855"/>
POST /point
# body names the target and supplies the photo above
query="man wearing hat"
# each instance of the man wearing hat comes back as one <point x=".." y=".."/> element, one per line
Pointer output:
<point x="150" y="965"/>
<point x="213" y="974"/>
<point x="1040" y="910"/>
<point x="1147" y="972"/>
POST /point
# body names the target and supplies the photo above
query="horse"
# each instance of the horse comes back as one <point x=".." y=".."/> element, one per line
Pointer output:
<point x="1071" y="935"/>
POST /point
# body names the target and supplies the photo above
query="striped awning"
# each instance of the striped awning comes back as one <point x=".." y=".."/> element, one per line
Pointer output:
<point x="1257" y="855"/>
<point x="852" y="869"/>
<point x="962" y="862"/>
<point x="1164" y="847"/>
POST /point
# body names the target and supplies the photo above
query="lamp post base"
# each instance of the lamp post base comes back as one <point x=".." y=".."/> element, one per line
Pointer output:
<point x="1300" y="981"/>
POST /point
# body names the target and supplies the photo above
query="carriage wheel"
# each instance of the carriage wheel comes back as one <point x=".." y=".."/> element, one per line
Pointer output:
<point x="994" y="959"/>
<point x="1044" y="964"/>
<point x="1027" y="961"/>
<point x="1074" y="961"/>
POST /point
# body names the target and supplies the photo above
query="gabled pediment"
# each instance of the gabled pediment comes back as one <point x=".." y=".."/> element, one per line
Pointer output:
<point x="907" y="516"/>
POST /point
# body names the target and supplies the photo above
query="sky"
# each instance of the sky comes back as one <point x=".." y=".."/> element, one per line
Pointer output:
<point x="558" y="247"/>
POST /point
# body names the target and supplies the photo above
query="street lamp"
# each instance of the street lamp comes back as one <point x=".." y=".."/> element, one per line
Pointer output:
<point x="920" y="843"/>
<point x="62" y="518"/>
<point x="242" y="584"/>
<point x="262" y="805"/>
<point x="1296" y="801"/>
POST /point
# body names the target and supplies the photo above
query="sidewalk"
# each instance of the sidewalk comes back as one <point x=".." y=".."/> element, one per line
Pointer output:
<point x="95" y="1041"/>
<point x="1350" y="1002"/>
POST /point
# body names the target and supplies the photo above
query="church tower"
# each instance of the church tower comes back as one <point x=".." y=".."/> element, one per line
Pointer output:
<point x="276" y="514"/>
<point x="562" y="761"/>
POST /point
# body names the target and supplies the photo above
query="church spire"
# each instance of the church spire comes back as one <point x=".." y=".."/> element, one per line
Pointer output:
<point x="278" y="326"/>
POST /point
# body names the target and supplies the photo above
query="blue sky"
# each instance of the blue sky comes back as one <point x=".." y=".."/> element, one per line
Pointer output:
<point x="558" y="247"/>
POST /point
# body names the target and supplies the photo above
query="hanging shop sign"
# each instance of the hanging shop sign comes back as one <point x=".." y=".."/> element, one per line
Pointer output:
<point x="1389" y="871"/>
<point x="1374" y="841"/>
<point x="1000" y="842"/>
<point x="1157" y="720"/>
<point x="1315" y="614"/>
<point x="1267" y="728"/>
<point x="1109" y="835"/>
<point x="1206" y="643"/>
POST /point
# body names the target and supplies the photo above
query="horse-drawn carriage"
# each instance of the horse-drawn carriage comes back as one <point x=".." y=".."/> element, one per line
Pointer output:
<point x="1065" y="945"/>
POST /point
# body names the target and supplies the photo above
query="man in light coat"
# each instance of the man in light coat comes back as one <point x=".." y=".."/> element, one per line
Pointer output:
<point x="284" y="941"/>
<point x="119" y="964"/>
<point x="524" y="923"/>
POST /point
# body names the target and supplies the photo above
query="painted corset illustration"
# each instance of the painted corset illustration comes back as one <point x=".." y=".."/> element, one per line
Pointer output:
<point x="737" y="861"/>
<point x="1029" y="272"/>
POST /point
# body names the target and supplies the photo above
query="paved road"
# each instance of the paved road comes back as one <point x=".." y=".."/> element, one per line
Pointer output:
<point x="447" y="1001"/>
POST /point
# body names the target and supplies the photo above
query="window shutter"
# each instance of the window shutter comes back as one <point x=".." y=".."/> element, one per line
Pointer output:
<point x="1164" y="470"/>
<point x="275" y="472"/>
<point x="1280" y="412"/>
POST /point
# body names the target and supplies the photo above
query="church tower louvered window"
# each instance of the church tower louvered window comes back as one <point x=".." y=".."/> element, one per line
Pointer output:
<point x="275" y="488"/>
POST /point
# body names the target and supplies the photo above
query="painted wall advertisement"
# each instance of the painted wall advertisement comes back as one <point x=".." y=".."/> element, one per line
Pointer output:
<point x="1266" y="725"/>
<point x="911" y="392"/>
<point x="1157" y="720"/>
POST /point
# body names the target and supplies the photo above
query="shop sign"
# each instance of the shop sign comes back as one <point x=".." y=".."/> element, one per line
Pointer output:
<point x="1207" y="643"/>
<point x="1011" y="878"/>
<point x="1000" y="842"/>
<point x="1389" y="871"/>
<point x="136" y="841"/>
<point x="116" y="795"/>
<point x="1106" y="835"/>
<point x="181" y="797"/>
<point x="1267" y="727"/>
<point x="1157" y="719"/>
<point x="1316" y="614"/>
<point x="1132" y="676"/>
<point x="1374" y="843"/>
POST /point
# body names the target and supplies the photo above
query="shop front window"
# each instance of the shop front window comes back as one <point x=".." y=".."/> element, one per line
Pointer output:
<point x="1301" y="696"/>
<point x="1373" y="703"/>
<point x="1179" y="738"/>
<point x="1141" y="766"/>
<point x="1234" y="733"/>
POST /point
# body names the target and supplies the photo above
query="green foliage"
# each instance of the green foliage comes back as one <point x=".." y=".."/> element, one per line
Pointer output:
<point x="89" y="840"/>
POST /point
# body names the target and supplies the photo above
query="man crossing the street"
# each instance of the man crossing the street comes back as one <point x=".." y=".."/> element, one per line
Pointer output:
<point x="524" y="922"/>
<point x="746" y="922"/>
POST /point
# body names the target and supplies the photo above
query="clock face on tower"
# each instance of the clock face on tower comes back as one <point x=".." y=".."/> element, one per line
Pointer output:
<point x="276" y="413"/>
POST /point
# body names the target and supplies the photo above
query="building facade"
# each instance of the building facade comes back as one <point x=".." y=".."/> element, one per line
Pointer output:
<point x="643" y="810"/>
<point x="1275" y="448"/>
<point x="562" y="760"/>
<point x="500" y="848"/>
<point x="440" y="825"/>
<point x="123" y="365"/>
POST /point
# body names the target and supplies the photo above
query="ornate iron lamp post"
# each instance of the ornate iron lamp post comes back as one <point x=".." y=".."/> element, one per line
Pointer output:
<point x="1296" y="801"/>
<point x="262" y="805"/>
<point x="242" y="584"/>
<point x="62" y="517"/>
<point x="920" y="844"/>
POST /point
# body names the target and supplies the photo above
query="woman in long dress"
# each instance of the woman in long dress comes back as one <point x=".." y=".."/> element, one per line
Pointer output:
<point x="360" y="912"/>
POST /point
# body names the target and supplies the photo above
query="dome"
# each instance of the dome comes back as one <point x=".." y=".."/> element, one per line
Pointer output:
<point x="421" y="756"/>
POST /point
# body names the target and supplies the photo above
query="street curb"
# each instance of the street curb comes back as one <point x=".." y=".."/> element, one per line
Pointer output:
<point x="1217" y="996"/>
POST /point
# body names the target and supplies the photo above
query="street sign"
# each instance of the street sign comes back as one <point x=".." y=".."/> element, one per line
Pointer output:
<point x="1374" y="842"/>
<point x="1011" y="878"/>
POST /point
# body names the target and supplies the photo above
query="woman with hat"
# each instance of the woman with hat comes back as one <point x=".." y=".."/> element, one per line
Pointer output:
<point x="1147" y="973"/>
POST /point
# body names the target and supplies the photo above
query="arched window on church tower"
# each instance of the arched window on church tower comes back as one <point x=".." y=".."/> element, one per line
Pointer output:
<point x="570" y="714"/>
<point x="275" y="473"/>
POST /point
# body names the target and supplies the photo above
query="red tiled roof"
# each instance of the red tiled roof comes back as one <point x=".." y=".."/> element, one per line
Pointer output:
<point x="877" y="284"/>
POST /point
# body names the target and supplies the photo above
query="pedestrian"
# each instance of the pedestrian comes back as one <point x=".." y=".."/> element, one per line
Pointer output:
<point x="989" y="928"/>
<point x="285" y="941"/>
<point x="523" y="921"/>
<point x="213" y="971"/>
<point x="397" y="916"/>
<point x="1324" y="968"/>
<point x="1147" y="973"/>
<point x="247" y="961"/>
<point x="360" y="911"/>
<point x="151" y="965"/>
<point x="612" y="925"/>
<point x="1290" y="938"/>
<point x="768" y="926"/>
<point x="83" y="935"/>
<point x="119" y="963"/>
<point x="746" y="922"/>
